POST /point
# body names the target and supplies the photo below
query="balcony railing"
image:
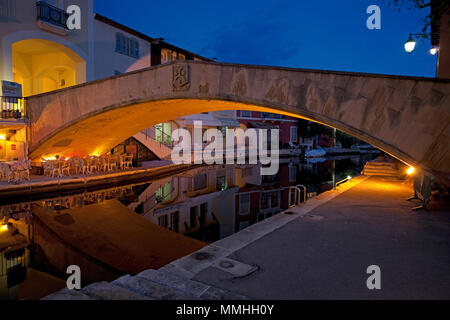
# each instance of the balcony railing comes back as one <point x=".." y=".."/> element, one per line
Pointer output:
<point x="268" y="115"/>
<point x="12" y="108"/>
<point x="51" y="14"/>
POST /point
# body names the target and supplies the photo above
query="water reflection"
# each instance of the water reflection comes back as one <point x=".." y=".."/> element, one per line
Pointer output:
<point x="206" y="203"/>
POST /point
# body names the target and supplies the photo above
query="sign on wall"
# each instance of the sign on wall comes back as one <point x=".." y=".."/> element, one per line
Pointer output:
<point x="11" y="89"/>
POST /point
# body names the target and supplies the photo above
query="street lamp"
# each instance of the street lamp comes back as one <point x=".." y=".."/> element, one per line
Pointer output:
<point x="410" y="44"/>
<point x="434" y="50"/>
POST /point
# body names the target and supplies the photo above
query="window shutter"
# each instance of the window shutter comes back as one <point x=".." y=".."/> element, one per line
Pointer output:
<point x="118" y="42"/>
<point x="136" y="49"/>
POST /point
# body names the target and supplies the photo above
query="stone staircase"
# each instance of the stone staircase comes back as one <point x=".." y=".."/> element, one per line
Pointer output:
<point x="380" y="168"/>
<point x="148" y="285"/>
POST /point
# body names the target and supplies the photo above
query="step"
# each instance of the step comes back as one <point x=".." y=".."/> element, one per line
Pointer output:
<point x="66" y="294"/>
<point x="379" y="165"/>
<point x="168" y="279"/>
<point x="195" y="288"/>
<point x="380" y="174"/>
<point x="381" y="171"/>
<point x="108" y="291"/>
<point x="147" y="288"/>
<point x="148" y="285"/>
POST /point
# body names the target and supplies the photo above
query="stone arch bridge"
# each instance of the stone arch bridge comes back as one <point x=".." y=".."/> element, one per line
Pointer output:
<point x="407" y="117"/>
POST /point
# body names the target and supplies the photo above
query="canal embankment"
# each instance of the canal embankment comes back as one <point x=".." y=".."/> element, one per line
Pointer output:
<point x="68" y="184"/>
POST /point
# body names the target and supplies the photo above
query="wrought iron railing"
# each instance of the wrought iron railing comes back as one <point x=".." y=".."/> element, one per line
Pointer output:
<point x="12" y="108"/>
<point x="268" y="115"/>
<point x="51" y="14"/>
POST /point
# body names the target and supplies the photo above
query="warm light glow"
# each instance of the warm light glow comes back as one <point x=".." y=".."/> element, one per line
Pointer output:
<point x="2" y="137"/>
<point x="433" y="51"/>
<point x="410" y="170"/>
<point x="410" y="45"/>
<point x="3" y="227"/>
<point x="349" y="178"/>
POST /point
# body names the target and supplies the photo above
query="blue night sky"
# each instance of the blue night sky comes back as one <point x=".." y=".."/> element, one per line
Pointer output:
<point x="315" y="34"/>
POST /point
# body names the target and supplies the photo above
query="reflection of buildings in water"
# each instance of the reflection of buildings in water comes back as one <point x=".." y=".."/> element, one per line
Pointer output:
<point x="84" y="199"/>
<point x="197" y="199"/>
<point x="14" y="251"/>
<point x="256" y="202"/>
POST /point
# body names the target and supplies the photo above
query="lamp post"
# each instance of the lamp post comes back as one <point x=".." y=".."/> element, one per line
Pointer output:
<point x="410" y="44"/>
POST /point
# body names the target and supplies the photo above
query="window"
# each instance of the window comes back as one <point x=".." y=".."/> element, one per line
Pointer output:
<point x="174" y="221"/>
<point x="292" y="173"/>
<point x="164" y="193"/>
<point x="270" y="199"/>
<point x="127" y="46"/>
<point x="163" y="221"/>
<point x="294" y="133"/>
<point x="193" y="217"/>
<point x="203" y="213"/>
<point x="246" y="114"/>
<point x="8" y="9"/>
<point x="244" y="204"/>
<point x="200" y="181"/>
<point x="268" y="115"/>
<point x="221" y="183"/>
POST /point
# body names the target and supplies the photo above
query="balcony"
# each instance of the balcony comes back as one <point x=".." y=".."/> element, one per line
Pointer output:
<point x="51" y="18"/>
<point x="12" y="108"/>
<point x="271" y="116"/>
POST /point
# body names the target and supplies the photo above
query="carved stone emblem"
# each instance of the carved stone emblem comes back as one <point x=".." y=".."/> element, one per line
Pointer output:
<point x="181" y="78"/>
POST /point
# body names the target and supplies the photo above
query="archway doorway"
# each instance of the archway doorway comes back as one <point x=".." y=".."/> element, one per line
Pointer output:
<point x="42" y="66"/>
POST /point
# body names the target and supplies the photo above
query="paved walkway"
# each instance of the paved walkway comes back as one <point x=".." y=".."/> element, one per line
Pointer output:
<point x="320" y="250"/>
<point x="324" y="254"/>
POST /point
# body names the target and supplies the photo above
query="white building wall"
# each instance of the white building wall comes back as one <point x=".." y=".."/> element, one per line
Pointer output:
<point x="18" y="23"/>
<point x="107" y="61"/>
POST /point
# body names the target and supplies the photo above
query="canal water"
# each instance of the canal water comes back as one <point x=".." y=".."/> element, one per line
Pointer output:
<point x="157" y="221"/>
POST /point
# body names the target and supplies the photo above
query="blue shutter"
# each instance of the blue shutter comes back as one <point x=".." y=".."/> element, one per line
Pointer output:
<point x="118" y="42"/>
<point x="136" y="49"/>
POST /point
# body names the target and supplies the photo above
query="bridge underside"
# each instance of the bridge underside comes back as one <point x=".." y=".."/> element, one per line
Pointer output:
<point x="100" y="133"/>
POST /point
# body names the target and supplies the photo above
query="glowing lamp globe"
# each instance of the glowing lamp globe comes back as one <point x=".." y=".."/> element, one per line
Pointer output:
<point x="410" y="45"/>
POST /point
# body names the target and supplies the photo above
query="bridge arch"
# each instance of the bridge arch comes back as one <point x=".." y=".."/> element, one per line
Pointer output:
<point x="406" y="117"/>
